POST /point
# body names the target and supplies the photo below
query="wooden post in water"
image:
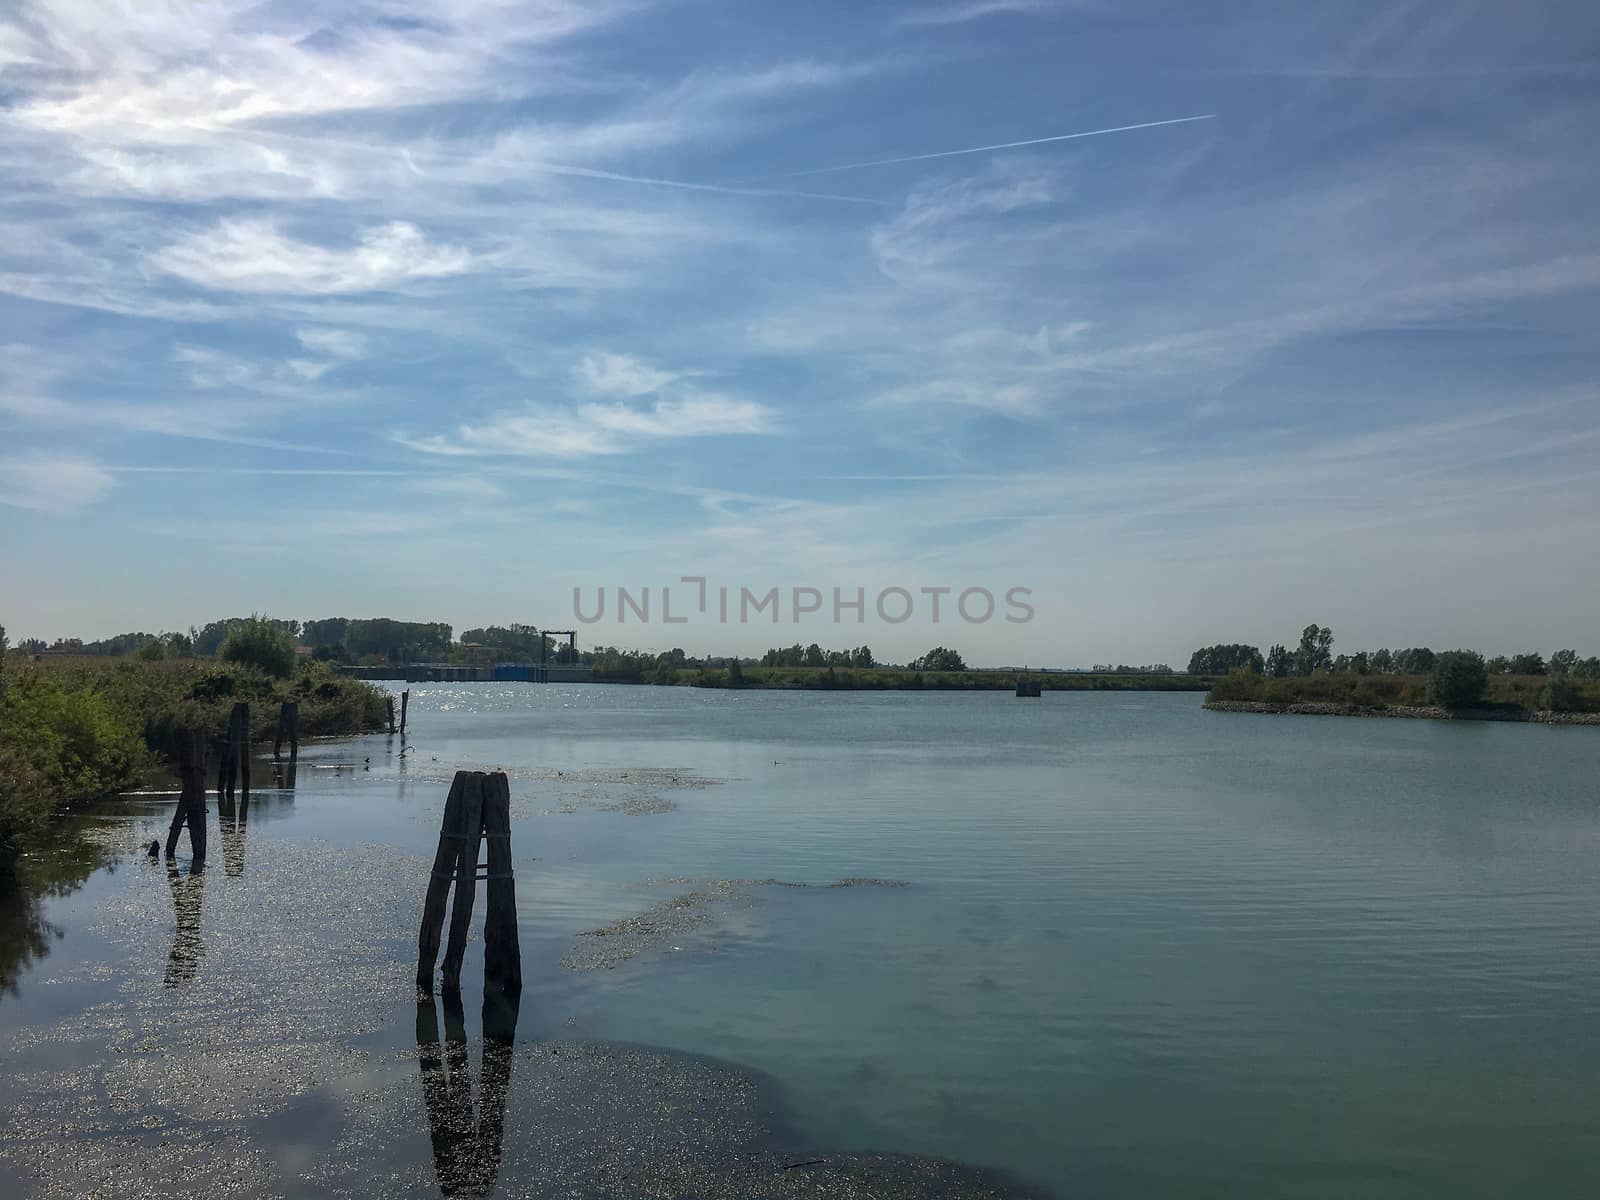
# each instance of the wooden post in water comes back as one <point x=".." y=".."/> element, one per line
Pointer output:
<point x="288" y="727"/>
<point x="502" y="952"/>
<point x="445" y="861"/>
<point x="241" y="737"/>
<point x="225" y="762"/>
<point x="389" y="700"/>
<point x="466" y="880"/>
<point x="405" y="701"/>
<point x="478" y="808"/>
<point x="192" y="798"/>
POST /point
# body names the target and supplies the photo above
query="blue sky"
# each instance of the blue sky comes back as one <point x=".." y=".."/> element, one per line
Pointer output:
<point x="438" y="310"/>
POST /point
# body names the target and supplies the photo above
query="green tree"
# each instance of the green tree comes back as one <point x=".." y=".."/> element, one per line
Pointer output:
<point x="1458" y="680"/>
<point x="152" y="651"/>
<point x="938" y="659"/>
<point x="1561" y="693"/>
<point x="261" y="643"/>
<point x="735" y="673"/>
<point x="1315" y="652"/>
<point x="1416" y="661"/>
<point x="1382" y="661"/>
<point x="1278" y="663"/>
<point x="1563" y="661"/>
<point x="861" y="656"/>
<point x="814" y="656"/>
<point x="1527" y="664"/>
<point x="1220" y="659"/>
<point x="1588" y="668"/>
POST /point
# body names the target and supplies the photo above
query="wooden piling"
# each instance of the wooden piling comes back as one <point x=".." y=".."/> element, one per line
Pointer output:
<point x="477" y="809"/>
<point x="242" y="748"/>
<point x="466" y="881"/>
<point x="445" y="860"/>
<point x="405" y="702"/>
<point x="389" y="700"/>
<point x="502" y="952"/>
<point x="288" y="727"/>
<point x="192" y="798"/>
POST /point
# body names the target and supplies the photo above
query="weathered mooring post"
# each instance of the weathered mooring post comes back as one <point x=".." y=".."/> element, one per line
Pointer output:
<point x="405" y="702"/>
<point x="389" y="700"/>
<point x="235" y="763"/>
<point x="288" y="727"/>
<point x="192" y="797"/>
<point x="478" y="809"/>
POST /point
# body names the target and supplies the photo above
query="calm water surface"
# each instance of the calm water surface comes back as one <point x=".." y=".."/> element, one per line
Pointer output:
<point x="1145" y="950"/>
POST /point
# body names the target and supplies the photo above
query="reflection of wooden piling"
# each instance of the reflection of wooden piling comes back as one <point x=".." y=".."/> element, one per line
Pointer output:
<point x="288" y="728"/>
<point x="192" y="797"/>
<point x="478" y="808"/>
<point x="466" y="1148"/>
<point x="405" y="702"/>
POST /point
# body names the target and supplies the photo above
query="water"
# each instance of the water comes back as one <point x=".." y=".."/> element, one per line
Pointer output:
<point x="1144" y="949"/>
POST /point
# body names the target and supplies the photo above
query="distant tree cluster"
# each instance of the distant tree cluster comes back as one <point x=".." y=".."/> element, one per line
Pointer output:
<point x="1225" y="657"/>
<point x="1456" y="678"/>
<point x="815" y="656"/>
<point x="1124" y="669"/>
<point x="938" y="659"/>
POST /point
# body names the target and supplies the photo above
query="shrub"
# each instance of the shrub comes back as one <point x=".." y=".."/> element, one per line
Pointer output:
<point x="1458" y="680"/>
<point x="1561" y="694"/>
<point x="257" y="642"/>
<point x="1238" y="684"/>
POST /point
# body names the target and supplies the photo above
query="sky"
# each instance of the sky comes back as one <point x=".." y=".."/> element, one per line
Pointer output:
<point x="445" y="309"/>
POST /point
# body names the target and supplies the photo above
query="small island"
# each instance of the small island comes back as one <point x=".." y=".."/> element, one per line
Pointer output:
<point x="1418" y="683"/>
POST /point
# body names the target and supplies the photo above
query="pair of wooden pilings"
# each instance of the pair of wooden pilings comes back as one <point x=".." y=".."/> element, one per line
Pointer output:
<point x="405" y="701"/>
<point x="234" y="766"/>
<point x="288" y="729"/>
<point x="477" y="811"/>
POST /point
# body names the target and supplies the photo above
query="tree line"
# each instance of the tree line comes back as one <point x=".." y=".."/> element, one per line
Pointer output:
<point x="1314" y="655"/>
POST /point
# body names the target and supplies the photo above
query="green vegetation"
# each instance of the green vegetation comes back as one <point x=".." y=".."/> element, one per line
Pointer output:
<point x="75" y="730"/>
<point x="1458" y="679"/>
<point x="259" y="643"/>
<point x="1508" y="693"/>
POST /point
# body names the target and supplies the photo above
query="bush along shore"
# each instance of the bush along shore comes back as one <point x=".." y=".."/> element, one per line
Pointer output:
<point x="1458" y="688"/>
<point x="77" y="730"/>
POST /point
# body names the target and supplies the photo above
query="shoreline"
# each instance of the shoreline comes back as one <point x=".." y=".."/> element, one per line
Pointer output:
<point x="1426" y="712"/>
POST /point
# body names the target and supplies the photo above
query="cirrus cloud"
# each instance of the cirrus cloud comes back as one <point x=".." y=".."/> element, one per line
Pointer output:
<point x="255" y="255"/>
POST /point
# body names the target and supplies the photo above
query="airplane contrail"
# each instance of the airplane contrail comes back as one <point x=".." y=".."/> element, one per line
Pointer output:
<point x="1060" y="137"/>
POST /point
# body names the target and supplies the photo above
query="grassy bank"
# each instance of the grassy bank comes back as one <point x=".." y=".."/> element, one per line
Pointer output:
<point x="1509" y="694"/>
<point x="896" y="679"/>
<point x="73" y="730"/>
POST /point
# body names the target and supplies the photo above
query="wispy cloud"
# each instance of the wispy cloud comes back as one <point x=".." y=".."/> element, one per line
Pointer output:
<point x="52" y="483"/>
<point x="606" y="374"/>
<point x="977" y="10"/>
<point x="335" y="343"/>
<point x="257" y="256"/>
<point x="588" y="430"/>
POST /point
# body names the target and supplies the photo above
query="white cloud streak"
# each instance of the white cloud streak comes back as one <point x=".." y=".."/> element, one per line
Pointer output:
<point x="52" y="483"/>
